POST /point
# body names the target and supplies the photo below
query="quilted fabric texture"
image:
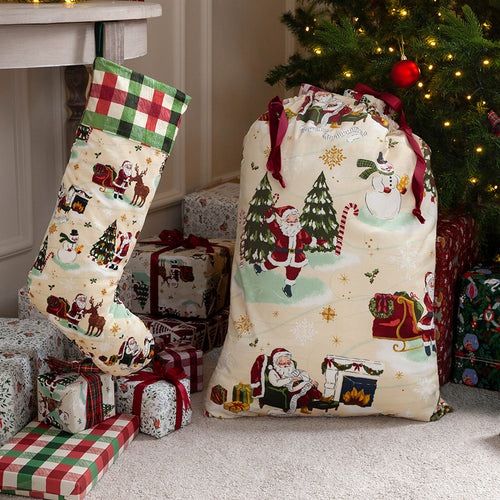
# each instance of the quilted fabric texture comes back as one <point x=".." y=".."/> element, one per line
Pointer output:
<point x="124" y="139"/>
<point x="332" y="286"/>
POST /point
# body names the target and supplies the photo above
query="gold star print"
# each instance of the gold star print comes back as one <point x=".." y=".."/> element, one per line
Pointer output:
<point x="53" y="229"/>
<point x="243" y="325"/>
<point x="104" y="291"/>
<point x="333" y="157"/>
<point x="115" y="328"/>
<point x="344" y="279"/>
<point x="328" y="313"/>
<point x="276" y="314"/>
<point x="399" y="375"/>
<point x="148" y="160"/>
<point x="124" y="217"/>
<point x="336" y="341"/>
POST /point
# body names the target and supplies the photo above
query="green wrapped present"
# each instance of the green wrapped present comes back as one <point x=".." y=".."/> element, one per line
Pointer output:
<point x="242" y="393"/>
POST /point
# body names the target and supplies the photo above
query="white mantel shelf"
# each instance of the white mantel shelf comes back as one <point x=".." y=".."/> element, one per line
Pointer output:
<point x="41" y="35"/>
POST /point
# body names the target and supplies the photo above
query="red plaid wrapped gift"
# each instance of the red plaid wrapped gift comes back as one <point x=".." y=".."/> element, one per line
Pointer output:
<point x="455" y="253"/>
<point x="204" y="334"/>
<point x="44" y="462"/>
<point x="183" y="355"/>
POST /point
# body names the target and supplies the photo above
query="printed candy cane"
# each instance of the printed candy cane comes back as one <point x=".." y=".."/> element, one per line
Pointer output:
<point x="340" y="237"/>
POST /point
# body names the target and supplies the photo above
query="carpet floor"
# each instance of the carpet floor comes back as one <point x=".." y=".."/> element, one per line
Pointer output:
<point x="457" y="457"/>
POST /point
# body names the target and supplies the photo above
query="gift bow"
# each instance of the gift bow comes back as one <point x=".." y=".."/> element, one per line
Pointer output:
<point x="172" y="375"/>
<point x="278" y="124"/>
<point x="417" y="184"/>
<point x="90" y="372"/>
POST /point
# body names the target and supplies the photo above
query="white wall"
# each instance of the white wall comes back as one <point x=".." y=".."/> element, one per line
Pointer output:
<point x="217" y="51"/>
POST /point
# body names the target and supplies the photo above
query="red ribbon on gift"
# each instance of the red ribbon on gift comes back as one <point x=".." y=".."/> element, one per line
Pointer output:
<point x="90" y="372"/>
<point x="174" y="376"/>
<point x="278" y="124"/>
<point x="170" y="239"/>
<point x="417" y="185"/>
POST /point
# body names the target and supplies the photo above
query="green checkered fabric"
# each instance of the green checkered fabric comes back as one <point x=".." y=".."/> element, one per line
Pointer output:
<point x="134" y="106"/>
<point x="45" y="462"/>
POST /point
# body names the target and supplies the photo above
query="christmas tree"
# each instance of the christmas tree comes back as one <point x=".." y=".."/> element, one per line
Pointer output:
<point x="442" y="59"/>
<point x="319" y="217"/>
<point x="259" y="240"/>
<point x="103" y="250"/>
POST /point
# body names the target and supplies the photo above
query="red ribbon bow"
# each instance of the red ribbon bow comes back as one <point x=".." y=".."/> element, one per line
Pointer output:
<point x="87" y="369"/>
<point x="417" y="184"/>
<point x="382" y="302"/>
<point x="170" y="239"/>
<point x="357" y="366"/>
<point x="174" y="376"/>
<point x="329" y="362"/>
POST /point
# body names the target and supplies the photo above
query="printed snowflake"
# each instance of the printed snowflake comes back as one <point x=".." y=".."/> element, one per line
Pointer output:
<point x="344" y="278"/>
<point x="304" y="331"/>
<point x="406" y="258"/>
<point x="333" y="157"/>
<point x="336" y="340"/>
<point x="115" y="328"/>
<point x="328" y="313"/>
<point x="399" y="375"/>
<point x="243" y="325"/>
<point x="276" y="314"/>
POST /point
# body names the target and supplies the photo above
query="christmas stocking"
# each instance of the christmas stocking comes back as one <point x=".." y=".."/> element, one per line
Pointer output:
<point x="124" y="139"/>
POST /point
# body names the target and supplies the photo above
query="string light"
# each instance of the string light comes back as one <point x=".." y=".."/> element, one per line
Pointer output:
<point x="469" y="97"/>
<point x="450" y="57"/>
<point x="486" y="62"/>
<point x="307" y="28"/>
<point x="479" y="149"/>
<point x="317" y="51"/>
<point x="348" y="74"/>
<point x="420" y="84"/>
<point x="391" y="49"/>
<point x="473" y="180"/>
<point x="379" y="50"/>
<point x="458" y="73"/>
<point x="403" y="12"/>
<point x="427" y="96"/>
<point x="446" y="124"/>
<point x="430" y="67"/>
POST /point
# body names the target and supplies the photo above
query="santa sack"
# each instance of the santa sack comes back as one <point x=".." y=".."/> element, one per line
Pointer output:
<point x="332" y="285"/>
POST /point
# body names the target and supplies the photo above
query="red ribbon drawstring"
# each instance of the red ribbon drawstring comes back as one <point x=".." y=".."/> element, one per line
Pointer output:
<point x="278" y="123"/>
<point x="417" y="185"/>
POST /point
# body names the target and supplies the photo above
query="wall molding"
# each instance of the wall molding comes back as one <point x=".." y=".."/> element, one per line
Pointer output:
<point x="20" y="173"/>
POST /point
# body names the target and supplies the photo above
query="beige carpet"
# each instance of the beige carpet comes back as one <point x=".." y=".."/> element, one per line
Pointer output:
<point x="457" y="457"/>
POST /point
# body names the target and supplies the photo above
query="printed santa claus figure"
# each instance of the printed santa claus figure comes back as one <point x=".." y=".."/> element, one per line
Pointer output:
<point x="426" y="323"/>
<point x="289" y="247"/>
<point x="123" y="179"/>
<point x="281" y="372"/>
<point x="77" y="310"/>
<point x="122" y="248"/>
<point x="129" y="352"/>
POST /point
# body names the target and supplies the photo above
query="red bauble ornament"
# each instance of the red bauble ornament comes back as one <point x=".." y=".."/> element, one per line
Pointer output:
<point x="405" y="73"/>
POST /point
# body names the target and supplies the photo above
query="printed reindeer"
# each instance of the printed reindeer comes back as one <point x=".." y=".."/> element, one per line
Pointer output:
<point x="95" y="321"/>
<point x="141" y="191"/>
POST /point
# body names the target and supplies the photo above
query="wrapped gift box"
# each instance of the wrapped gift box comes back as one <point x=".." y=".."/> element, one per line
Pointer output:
<point x="34" y="337"/>
<point x="212" y="212"/>
<point x="204" y="334"/>
<point x="477" y="340"/>
<point x="44" y="462"/>
<point x="62" y="399"/>
<point x="170" y="279"/>
<point x="17" y="402"/>
<point x="159" y="403"/>
<point x="455" y="253"/>
<point x="185" y="356"/>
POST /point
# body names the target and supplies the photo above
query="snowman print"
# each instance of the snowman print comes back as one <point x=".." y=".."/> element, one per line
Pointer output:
<point x="383" y="200"/>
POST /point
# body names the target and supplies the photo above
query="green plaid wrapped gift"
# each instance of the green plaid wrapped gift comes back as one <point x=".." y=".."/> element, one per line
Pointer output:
<point x="44" y="462"/>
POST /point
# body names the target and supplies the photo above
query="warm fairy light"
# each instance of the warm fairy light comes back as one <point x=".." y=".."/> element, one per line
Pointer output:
<point x="450" y="57"/>
<point x="446" y="124"/>
<point x="432" y="43"/>
<point x="420" y="84"/>
<point x="430" y="67"/>
<point x="486" y="62"/>
<point x="427" y="96"/>
<point x="479" y="149"/>
<point x="391" y="49"/>
<point x="307" y="28"/>
<point x="318" y="51"/>
<point x="458" y="73"/>
<point x="403" y="12"/>
<point x="356" y="19"/>
<point x="348" y="74"/>
<point x="469" y="97"/>
<point x="379" y="50"/>
<point x="361" y="30"/>
<point x="473" y="180"/>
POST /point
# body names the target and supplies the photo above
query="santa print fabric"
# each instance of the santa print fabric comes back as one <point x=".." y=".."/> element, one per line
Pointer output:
<point x="333" y="277"/>
<point x="125" y="137"/>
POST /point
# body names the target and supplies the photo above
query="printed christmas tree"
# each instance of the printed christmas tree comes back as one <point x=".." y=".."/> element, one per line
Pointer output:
<point x="42" y="256"/>
<point x="319" y="217"/>
<point x="258" y="238"/>
<point x="103" y="250"/>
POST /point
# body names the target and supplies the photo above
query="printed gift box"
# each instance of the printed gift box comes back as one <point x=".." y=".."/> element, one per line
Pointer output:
<point x="75" y="395"/>
<point x="177" y="276"/>
<point x="44" y="462"/>
<point x="161" y="399"/>
<point x="185" y="356"/>
<point x="477" y="343"/>
<point x="204" y="334"/>
<point x="212" y="212"/>
<point x="17" y="402"/>
<point x="455" y="253"/>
